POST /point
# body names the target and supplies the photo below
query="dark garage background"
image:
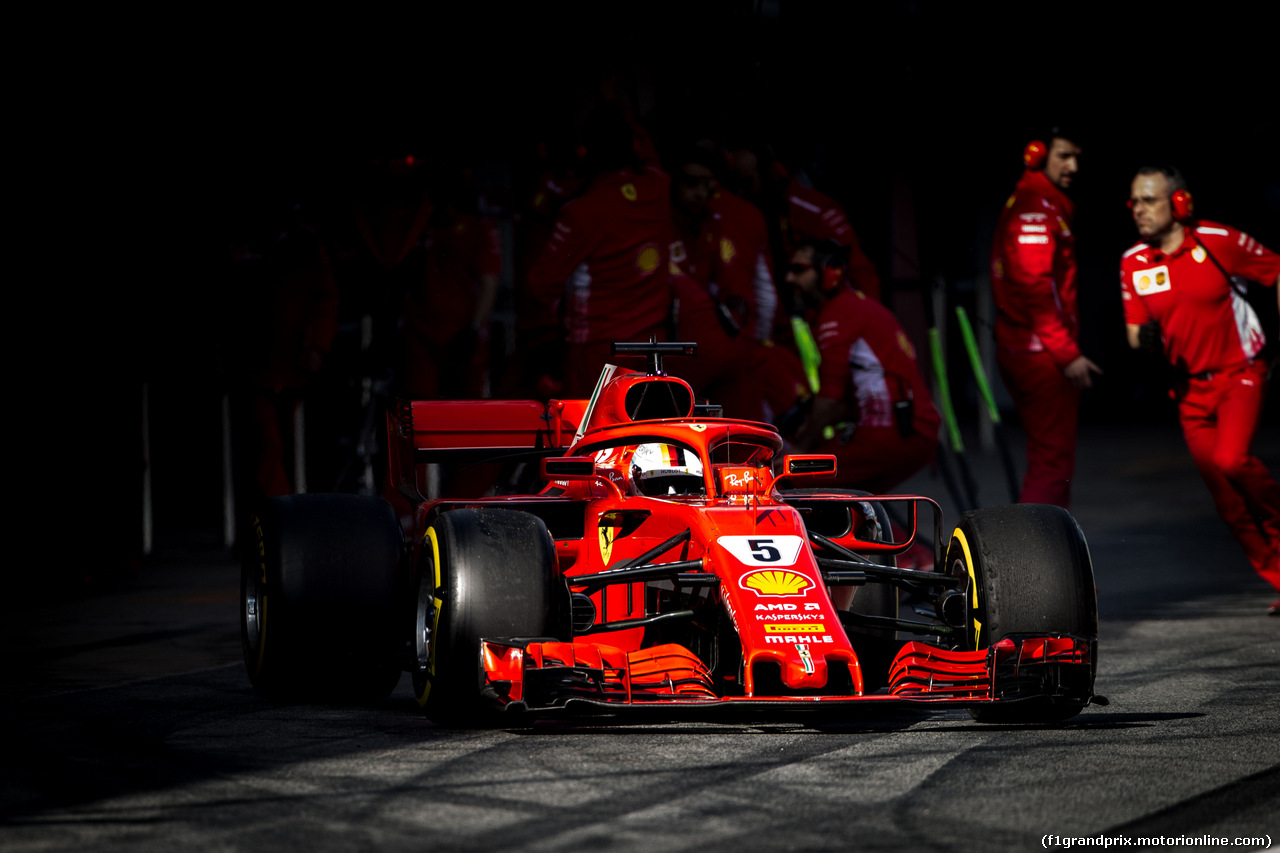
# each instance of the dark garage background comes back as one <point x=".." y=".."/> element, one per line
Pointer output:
<point x="224" y="115"/>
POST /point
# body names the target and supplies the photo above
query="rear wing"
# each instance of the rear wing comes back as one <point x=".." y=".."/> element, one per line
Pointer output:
<point x="421" y="432"/>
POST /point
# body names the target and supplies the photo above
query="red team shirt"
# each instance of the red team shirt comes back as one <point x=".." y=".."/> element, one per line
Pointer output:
<point x="745" y="269"/>
<point x="729" y="258"/>
<point x="1206" y="324"/>
<point x="1033" y="272"/>
<point x="862" y="344"/>
<point x="608" y="258"/>
<point x="457" y="255"/>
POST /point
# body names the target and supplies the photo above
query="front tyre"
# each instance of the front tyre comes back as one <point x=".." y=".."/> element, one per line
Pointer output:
<point x="483" y="573"/>
<point x="1027" y="571"/>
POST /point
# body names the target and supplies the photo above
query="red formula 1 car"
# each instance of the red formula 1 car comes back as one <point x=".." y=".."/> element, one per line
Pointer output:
<point x="672" y="559"/>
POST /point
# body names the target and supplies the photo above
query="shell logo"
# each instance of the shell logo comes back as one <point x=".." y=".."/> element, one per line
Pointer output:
<point x="648" y="258"/>
<point x="906" y="346"/>
<point x="776" y="582"/>
<point x="727" y="250"/>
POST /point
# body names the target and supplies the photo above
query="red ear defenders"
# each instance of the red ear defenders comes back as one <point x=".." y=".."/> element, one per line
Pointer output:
<point x="832" y="275"/>
<point x="1180" y="203"/>
<point x="1035" y="154"/>
<point x="831" y="264"/>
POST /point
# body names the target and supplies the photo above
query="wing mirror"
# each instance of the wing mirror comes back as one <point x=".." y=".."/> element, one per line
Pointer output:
<point x="568" y="468"/>
<point x="809" y="465"/>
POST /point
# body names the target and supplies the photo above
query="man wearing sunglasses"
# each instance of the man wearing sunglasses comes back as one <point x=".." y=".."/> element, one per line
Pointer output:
<point x="872" y="408"/>
<point x="1033" y="281"/>
<point x="1184" y="288"/>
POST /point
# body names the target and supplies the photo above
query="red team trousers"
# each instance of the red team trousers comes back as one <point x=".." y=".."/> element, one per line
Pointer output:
<point x="1049" y="405"/>
<point x="1219" y="416"/>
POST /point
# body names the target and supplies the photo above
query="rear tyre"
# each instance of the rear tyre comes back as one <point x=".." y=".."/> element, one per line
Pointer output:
<point x="483" y="573"/>
<point x="1028" y="571"/>
<point x="317" y="598"/>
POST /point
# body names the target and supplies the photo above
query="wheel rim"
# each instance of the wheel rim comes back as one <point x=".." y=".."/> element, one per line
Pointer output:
<point x="252" y="605"/>
<point x="960" y="567"/>
<point x="423" y="623"/>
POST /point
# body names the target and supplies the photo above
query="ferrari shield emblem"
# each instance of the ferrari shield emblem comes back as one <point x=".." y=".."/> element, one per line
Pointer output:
<point x="610" y="524"/>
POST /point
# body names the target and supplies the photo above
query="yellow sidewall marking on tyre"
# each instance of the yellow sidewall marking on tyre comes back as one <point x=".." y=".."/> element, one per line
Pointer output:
<point x="435" y="617"/>
<point x="959" y="538"/>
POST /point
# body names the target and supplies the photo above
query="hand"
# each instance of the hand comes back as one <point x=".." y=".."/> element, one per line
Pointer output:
<point x="1079" y="372"/>
<point x="1149" y="336"/>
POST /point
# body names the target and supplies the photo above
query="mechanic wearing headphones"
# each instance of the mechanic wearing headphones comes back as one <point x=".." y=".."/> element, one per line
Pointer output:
<point x="796" y="212"/>
<point x="872" y="407"/>
<point x="1180" y="299"/>
<point x="605" y="267"/>
<point x="727" y="297"/>
<point x="1033" y="280"/>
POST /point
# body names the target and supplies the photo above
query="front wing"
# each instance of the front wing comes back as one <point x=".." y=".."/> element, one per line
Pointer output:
<point x="537" y="674"/>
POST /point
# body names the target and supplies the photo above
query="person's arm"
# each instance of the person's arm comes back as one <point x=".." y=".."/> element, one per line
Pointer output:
<point x="486" y="296"/>
<point x="1141" y="329"/>
<point x="1144" y="336"/>
<point x="1242" y="255"/>
<point x="1029" y="248"/>
<point x="565" y="250"/>
<point x="1079" y="372"/>
<point x="488" y="273"/>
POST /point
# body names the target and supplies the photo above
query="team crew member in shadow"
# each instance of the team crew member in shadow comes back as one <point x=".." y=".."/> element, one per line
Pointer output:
<point x="606" y="266"/>
<point x="872" y="408"/>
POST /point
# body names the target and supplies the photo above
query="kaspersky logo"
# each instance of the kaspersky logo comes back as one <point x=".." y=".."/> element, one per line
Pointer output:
<point x="775" y="582"/>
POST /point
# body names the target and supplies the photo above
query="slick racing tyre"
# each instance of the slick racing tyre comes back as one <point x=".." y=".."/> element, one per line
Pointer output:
<point x="482" y="573"/>
<point x="1027" y="571"/>
<point x="317" y="598"/>
<point x="876" y="651"/>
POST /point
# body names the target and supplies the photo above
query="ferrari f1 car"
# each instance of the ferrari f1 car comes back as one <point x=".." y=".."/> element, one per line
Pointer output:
<point x="673" y="559"/>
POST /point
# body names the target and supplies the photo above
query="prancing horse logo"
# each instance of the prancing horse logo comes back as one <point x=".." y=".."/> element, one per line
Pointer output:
<point x="609" y="525"/>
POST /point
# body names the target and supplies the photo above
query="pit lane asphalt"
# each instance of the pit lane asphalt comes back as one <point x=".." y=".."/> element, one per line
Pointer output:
<point x="128" y="723"/>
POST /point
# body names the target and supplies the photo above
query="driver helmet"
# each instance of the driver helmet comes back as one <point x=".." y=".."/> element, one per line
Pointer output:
<point x="667" y="469"/>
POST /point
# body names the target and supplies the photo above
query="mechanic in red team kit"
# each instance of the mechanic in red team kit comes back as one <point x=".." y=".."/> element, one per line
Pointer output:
<point x="1183" y="295"/>
<point x="726" y="294"/>
<point x="872" y="408"/>
<point x="448" y="309"/>
<point x="607" y="260"/>
<point x="799" y="212"/>
<point x="1033" y="279"/>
